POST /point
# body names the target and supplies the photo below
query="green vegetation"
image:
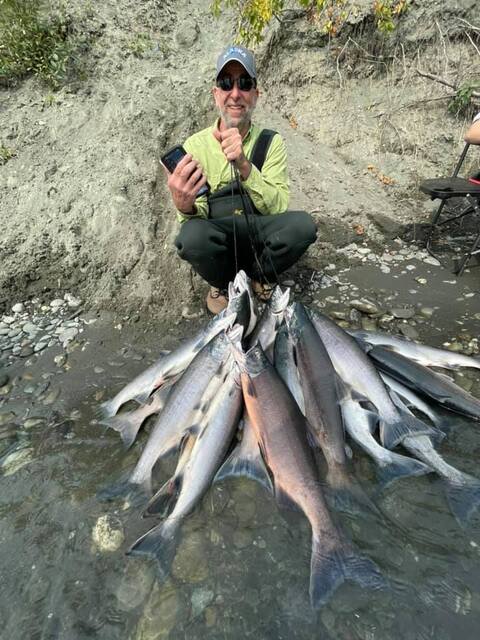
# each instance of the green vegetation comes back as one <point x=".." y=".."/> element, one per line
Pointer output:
<point x="33" y="40"/>
<point x="462" y="100"/>
<point x="6" y="153"/>
<point x="253" y="16"/>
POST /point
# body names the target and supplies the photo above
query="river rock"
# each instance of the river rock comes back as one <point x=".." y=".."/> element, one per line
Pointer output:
<point x="34" y="422"/>
<point x="18" y="308"/>
<point x="161" y="614"/>
<point x="29" y="327"/>
<point x="431" y="260"/>
<point x="9" y="416"/>
<point x="426" y="312"/>
<point x="403" y="313"/>
<point x="57" y="303"/>
<point x="3" y="379"/>
<point x="39" y="346"/>
<point x="408" y="331"/>
<point x="365" y="306"/>
<point x="107" y="534"/>
<point x="200" y="599"/>
<point x="26" y="351"/>
<point x="135" y="585"/>
<point x="191" y="563"/>
<point x="16" y="461"/>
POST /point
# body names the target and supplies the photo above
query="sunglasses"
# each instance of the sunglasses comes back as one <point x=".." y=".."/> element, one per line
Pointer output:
<point x="244" y="83"/>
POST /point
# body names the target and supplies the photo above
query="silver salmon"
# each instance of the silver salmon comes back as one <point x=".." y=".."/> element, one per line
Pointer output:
<point x="421" y="353"/>
<point x="181" y="409"/>
<point x="194" y="479"/>
<point x="357" y="370"/>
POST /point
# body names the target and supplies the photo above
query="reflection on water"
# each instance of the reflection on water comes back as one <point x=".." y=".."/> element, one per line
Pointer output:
<point x="242" y="568"/>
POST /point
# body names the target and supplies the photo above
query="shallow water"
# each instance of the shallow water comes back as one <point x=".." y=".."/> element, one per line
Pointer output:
<point x="242" y="568"/>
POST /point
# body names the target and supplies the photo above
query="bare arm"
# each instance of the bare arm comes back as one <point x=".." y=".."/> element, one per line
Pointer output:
<point x="473" y="134"/>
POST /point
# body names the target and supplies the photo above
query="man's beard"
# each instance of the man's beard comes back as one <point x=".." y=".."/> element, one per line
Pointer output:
<point x="244" y="120"/>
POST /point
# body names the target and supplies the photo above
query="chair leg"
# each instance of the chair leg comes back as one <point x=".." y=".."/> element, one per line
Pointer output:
<point x="433" y="225"/>
<point x="474" y="248"/>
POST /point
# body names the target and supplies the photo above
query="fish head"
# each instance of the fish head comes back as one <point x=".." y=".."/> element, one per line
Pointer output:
<point x="279" y="301"/>
<point x="295" y="319"/>
<point x="219" y="345"/>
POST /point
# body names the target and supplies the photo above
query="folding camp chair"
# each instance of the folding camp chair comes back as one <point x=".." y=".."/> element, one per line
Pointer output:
<point x="445" y="189"/>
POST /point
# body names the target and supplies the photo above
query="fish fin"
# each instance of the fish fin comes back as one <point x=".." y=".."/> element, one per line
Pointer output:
<point x="463" y="499"/>
<point x="328" y="570"/>
<point x="350" y="498"/>
<point x="162" y="503"/>
<point x="106" y="410"/>
<point x="160" y="543"/>
<point x="133" y="494"/>
<point x="251" y="466"/>
<point x="127" y="426"/>
<point x="144" y="397"/>
<point x="392" y="433"/>
<point x="400" y="467"/>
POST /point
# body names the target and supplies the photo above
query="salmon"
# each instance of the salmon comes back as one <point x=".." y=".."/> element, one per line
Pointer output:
<point x="281" y="432"/>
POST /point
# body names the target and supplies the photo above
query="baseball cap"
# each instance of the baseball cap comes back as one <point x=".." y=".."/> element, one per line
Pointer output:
<point x="241" y="55"/>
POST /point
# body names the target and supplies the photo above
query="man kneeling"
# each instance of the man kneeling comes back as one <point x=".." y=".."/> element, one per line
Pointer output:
<point x="243" y="222"/>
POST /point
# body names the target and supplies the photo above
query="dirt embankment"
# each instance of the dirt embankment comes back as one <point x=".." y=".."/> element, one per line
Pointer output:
<point x="84" y="204"/>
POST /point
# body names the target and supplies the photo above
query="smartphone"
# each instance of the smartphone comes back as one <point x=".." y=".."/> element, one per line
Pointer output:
<point x="172" y="157"/>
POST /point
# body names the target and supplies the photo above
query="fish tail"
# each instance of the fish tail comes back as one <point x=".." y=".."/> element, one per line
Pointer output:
<point x="463" y="499"/>
<point x="134" y="494"/>
<point x="328" y="570"/>
<point x="253" y="467"/>
<point x="144" y="396"/>
<point x="406" y="424"/>
<point x="163" y="501"/>
<point x="401" y="467"/>
<point x="127" y="425"/>
<point x="160" y="543"/>
<point x="346" y="495"/>
<point x="106" y="410"/>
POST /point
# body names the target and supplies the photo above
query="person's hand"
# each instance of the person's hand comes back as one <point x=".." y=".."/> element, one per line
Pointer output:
<point x="185" y="182"/>
<point x="232" y="147"/>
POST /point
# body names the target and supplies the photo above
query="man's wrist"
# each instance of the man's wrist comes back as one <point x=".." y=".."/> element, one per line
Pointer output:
<point x="244" y="167"/>
<point x="192" y="211"/>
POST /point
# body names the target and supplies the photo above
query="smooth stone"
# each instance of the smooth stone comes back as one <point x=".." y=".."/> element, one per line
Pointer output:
<point x="477" y="316"/>
<point x="57" y="303"/>
<point x="107" y="534"/>
<point x="456" y="347"/>
<point x="339" y="315"/>
<point x="34" y="422"/>
<point x="68" y="334"/>
<point x="60" y="360"/>
<point x="39" y="346"/>
<point x="7" y="417"/>
<point x="14" y="332"/>
<point x="210" y="617"/>
<point x="16" y="461"/>
<point x="365" y="306"/>
<point x="3" y="379"/>
<point x="135" y="585"/>
<point x="200" y="600"/>
<point x="18" y="308"/>
<point x="408" y="331"/>
<point x="426" y="312"/>
<point x="369" y="324"/>
<point x="29" y="327"/>
<point x="25" y="352"/>
<point x="431" y="260"/>
<point x="8" y="319"/>
<point x="403" y="313"/>
<point x="421" y="280"/>
<point x="191" y="564"/>
<point x="4" y="331"/>
<point x="160" y="615"/>
<point x="51" y="397"/>
<point x="98" y="370"/>
<point x="29" y="388"/>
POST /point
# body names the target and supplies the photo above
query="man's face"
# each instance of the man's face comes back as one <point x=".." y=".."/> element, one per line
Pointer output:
<point x="235" y="106"/>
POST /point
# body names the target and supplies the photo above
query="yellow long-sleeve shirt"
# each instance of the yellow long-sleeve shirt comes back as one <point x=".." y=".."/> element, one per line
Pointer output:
<point x="268" y="188"/>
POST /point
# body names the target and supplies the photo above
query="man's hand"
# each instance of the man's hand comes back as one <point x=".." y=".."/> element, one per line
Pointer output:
<point x="185" y="182"/>
<point x="231" y="143"/>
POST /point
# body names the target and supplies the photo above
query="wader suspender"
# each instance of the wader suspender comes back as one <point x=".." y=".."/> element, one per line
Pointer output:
<point x="220" y="202"/>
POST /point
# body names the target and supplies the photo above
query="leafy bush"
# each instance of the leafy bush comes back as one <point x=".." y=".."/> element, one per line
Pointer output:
<point x="33" y="39"/>
<point x="461" y="102"/>
<point x="6" y="153"/>
<point x="253" y="16"/>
